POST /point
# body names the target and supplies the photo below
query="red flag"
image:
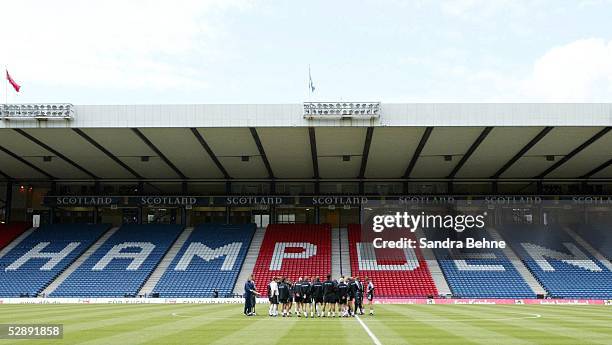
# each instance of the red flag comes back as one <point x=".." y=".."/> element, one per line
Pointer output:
<point x="12" y="82"/>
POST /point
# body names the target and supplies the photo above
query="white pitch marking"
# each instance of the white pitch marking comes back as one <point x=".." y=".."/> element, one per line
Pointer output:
<point x="527" y="316"/>
<point x="372" y="336"/>
<point x="179" y="315"/>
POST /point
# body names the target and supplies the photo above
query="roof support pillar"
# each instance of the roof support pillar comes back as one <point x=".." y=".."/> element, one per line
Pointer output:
<point x="184" y="188"/>
<point x="8" y="202"/>
<point x="539" y="187"/>
<point x="273" y="187"/>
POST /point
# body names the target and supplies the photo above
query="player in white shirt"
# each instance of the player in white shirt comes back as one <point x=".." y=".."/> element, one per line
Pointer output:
<point x="273" y="297"/>
<point x="370" y="294"/>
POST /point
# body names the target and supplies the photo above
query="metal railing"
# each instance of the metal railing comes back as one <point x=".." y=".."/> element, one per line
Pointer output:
<point x="37" y="111"/>
<point x="335" y="110"/>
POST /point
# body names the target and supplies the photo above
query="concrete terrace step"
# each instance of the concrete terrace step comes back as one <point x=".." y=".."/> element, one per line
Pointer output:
<point x="345" y="264"/>
<point x="250" y="260"/>
<point x="336" y="259"/>
<point x="518" y="264"/>
<point x="434" y="268"/>
<point x="78" y="262"/>
<point x="163" y="265"/>
<point x="601" y="258"/>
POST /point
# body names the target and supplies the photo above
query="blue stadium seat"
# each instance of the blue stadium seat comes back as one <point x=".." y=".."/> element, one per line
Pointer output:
<point x="562" y="266"/>
<point x="598" y="236"/>
<point x="481" y="273"/>
<point x="105" y="275"/>
<point x="20" y="275"/>
<point x="210" y="259"/>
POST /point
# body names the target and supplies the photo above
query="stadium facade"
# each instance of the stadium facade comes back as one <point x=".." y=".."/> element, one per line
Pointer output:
<point x="186" y="200"/>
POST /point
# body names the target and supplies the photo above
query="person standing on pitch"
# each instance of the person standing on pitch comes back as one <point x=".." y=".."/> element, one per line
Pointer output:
<point x="352" y="295"/>
<point x="290" y="285"/>
<point x="328" y="296"/>
<point x="297" y="288"/>
<point x="336" y="298"/>
<point x="283" y="295"/>
<point x="370" y="294"/>
<point x="342" y="298"/>
<point x="307" y="297"/>
<point x="273" y="297"/>
<point x="249" y="296"/>
<point x="254" y="299"/>
<point x="317" y="288"/>
<point x="359" y="296"/>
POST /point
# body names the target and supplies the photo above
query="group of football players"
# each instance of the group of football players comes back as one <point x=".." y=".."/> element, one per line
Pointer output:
<point x="309" y="296"/>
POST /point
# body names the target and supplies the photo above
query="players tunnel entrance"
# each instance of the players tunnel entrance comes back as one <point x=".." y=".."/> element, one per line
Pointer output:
<point x="162" y="215"/>
<point x="339" y="216"/>
<point x="69" y="215"/>
<point x="201" y="215"/>
<point x="292" y="214"/>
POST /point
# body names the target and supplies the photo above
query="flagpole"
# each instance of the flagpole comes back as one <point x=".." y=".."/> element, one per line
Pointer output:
<point x="309" y="88"/>
<point x="5" y="84"/>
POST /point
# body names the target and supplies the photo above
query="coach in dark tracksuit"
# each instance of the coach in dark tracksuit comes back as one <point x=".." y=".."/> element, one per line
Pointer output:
<point x="352" y="296"/>
<point x="249" y="296"/>
<point x="358" y="296"/>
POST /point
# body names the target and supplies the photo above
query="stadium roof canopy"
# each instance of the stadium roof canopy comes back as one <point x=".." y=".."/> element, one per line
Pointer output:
<point x="251" y="142"/>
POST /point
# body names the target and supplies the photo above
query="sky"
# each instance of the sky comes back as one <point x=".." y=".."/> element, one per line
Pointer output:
<point x="251" y="51"/>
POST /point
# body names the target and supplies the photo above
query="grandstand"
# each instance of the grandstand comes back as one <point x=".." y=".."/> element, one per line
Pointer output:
<point x="599" y="236"/>
<point x="33" y="263"/>
<point x="482" y="274"/>
<point x="397" y="272"/>
<point x="122" y="264"/>
<point x="293" y="251"/>
<point x="167" y="200"/>
<point x="564" y="267"/>
<point x="210" y="260"/>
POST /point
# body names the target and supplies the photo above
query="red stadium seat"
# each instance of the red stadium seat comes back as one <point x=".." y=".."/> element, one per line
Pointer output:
<point x="393" y="273"/>
<point x="8" y="232"/>
<point x="293" y="250"/>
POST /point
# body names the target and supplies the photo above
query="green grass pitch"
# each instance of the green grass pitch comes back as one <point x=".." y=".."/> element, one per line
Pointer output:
<point x="393" y="324"/>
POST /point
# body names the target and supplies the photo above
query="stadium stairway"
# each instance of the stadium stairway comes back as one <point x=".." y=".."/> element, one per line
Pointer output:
<point x="563" y="266"/>
<point x="163" y="265"/>
<point x="78" y="262"/>
<point x="210" y="259"/>
<point x="598" y="236"/>
<point x="519" y="265"/>
<point x="40" y="257"/>
<point x="16" y="242"/>
<point x="594" y="252"/>
<point x="249" y="261"/>
<point x="435" y="270"/>
<point x="345" y="262"/>
<point x="336" y="258"/>
<point x="122" y="264"/>
<point x="479" y="272"/>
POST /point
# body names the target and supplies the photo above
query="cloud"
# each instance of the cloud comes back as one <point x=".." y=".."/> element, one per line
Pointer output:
<point x="112" y="43"/>
<point x="479" y="10"/>
<point x="579" y="71"/>
<point x="576" y="72"/>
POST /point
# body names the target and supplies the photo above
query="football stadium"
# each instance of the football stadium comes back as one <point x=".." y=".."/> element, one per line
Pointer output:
<point x="322" y="222"/>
